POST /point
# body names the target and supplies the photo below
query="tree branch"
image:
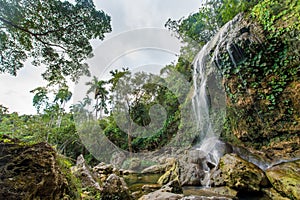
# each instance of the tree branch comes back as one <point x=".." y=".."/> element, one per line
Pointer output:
<point x="35" y="35"/>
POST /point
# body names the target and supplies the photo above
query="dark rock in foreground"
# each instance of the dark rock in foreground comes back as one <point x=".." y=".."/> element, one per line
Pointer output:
<point x="31" y="172"/>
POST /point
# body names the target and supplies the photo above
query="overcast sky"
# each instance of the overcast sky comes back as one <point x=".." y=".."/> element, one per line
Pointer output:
<point x="137" y="39"/>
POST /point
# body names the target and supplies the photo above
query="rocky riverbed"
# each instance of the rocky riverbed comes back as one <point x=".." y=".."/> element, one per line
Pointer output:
<point x="34" y="171"/>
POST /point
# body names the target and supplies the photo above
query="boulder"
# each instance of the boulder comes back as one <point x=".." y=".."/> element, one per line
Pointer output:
<point x="212" y="192"/>
<point x="170" y="175"/>
<point x="204" y="198"/>
<point x="222" y="191"/>
<point x="32" y="172"/>
<point x="174" y="187"/>
<point x="154" y="169"/>
<point x="103" y="168"/>
<point x="195" y="164"/>
<point x="160" y="195"/>
<point x="285" y="178"/>
<point x="273" y="194"/>
<point x="150" y="188"/>
<point x="172" y="190"/>
<point x="102" y="171"/>
<point x="239" y="174"/>
<point x="115" y="188"/>
<point x="84" y="173"/>
<point x="190" y="174"/>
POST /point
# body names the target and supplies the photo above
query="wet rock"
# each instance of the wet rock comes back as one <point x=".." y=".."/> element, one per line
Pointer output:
<point x="137" y="194"/>
<point x="285" y="178"/>
<point x="239" y="174"/>
<point x="155" y="169"/>
<point x="160" y="195"/>
<point x="150" y="187"/>
<point x="31" y="172"/>
<point x="118" y="159"/>
<point x="213" y="192"/>
<point x="102" y="171"/>
<point x="84" y="173"/>
<point x="273" y="194"/>
<point x="197" y="156"/>
<point x="196" y="163"/>
<point x="170" y="175"/>
<point x="173" y="187"/>
<point x="204" y="198"/>
<point x="256" y="157"/>
<point x="103" y="168"/>
<point x="115" y="188"/>
<point x="223" y="191"/>
<point x="127" y="172"/>
<point x="190" y="174"/>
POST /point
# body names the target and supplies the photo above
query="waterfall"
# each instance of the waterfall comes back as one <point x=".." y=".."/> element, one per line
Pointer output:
<point x="201" y="105"/>
<point x="205" y="66"/>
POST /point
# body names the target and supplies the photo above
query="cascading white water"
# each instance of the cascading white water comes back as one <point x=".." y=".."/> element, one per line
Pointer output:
<point x="204" y="64"/>
<point x="200" y="100"/>
<point x="208" y="138"/>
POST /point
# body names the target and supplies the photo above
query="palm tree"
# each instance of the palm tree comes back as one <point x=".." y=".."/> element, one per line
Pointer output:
<point x="62" y="96"/>
<point x="100" y="95"/>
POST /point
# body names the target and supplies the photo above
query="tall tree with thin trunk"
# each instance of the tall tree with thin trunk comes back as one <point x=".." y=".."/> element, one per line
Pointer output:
<point x="100" y="95"/>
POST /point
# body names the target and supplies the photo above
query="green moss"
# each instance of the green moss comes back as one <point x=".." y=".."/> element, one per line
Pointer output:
<point x="285" y="179"/>
<point x="7" y="140"/>
<point x="171" y="174"/>
<point x="74" y="183"/>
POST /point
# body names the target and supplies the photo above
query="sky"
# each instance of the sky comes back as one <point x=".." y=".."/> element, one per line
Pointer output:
<point x="139" y="41"/>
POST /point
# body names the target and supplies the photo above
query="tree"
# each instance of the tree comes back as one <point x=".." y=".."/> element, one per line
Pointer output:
<point x="100" y="95"/>
<point x="127" y="92"/>
<point x="52" y="32"/>
<point x="200" y="27"/>
<point x="63" y="95"/>
<point x="3" y="110"/>
<point x="40" y="99"/>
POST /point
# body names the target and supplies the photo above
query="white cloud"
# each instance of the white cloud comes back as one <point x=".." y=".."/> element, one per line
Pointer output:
<point x="15" y="91"/>
<point x="132" y="14"/>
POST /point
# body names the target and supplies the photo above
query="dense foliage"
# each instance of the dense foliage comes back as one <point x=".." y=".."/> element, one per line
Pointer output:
<point x="53" y="33"/>
<point x="131" y="100"/>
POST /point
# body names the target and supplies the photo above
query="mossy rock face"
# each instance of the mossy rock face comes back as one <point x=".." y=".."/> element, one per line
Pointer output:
<point x="285" y="178"/>
<point x="260" y="60"/>
<point x="170" y="175"/>
<point x="241" y="175"/>
<point x="273" y="194"/>
<point x="31" y="172"/>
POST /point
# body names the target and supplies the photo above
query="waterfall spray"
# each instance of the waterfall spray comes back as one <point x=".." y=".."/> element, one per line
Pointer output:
<point x="205" y="94"/>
